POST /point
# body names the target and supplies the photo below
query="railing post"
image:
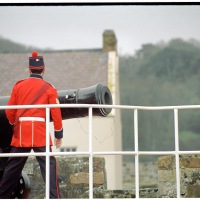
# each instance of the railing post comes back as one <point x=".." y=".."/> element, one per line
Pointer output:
<point x="177" y="152"/>
<point x="90" y="156"/>
<point x="47" y="152"/>
<point x="136" y="154"/>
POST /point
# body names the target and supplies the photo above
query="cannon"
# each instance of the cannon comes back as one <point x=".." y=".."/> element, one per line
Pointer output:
<point x="97" y="94"/>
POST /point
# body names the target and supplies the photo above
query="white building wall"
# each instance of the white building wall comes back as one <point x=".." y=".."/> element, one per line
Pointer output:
<point x="113" y="83"/>
<point x="76" y="134"/>
<point x="107" y="134"/>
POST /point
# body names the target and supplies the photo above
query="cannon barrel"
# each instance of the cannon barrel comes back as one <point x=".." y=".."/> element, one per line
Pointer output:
<point x="97" y="94"/>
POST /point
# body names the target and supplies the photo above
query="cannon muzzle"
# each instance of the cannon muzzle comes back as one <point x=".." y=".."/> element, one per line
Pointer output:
<point x="97" y="94"/>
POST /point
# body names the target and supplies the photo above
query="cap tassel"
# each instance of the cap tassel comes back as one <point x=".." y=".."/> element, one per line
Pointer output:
<point x="36" y="62"/>
<point x="34" y="54"/>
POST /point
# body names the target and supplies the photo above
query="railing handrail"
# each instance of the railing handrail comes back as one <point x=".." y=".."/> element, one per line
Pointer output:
<point x="101" y="106"/>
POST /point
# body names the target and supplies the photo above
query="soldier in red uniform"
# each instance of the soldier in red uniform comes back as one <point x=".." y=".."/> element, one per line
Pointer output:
<point x="29" y="127"/>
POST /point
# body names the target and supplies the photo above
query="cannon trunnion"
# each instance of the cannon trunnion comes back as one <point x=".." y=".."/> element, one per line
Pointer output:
<point x="97" y="94"/>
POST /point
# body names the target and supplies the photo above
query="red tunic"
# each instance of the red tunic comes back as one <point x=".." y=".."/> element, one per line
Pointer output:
<point x="29" y="124"/>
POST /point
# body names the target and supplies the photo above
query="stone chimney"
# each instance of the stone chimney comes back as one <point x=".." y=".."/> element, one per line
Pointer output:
<point x="109" y="41"/>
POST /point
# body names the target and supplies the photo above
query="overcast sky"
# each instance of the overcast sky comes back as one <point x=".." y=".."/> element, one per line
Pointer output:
<point x="72" y="27"/>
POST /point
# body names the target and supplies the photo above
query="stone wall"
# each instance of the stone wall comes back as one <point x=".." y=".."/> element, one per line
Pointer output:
<point x="157" y="180"/>
<point x="73" y="176"/>
<point x="189" y="176"/>
<point x="74" y="180"/>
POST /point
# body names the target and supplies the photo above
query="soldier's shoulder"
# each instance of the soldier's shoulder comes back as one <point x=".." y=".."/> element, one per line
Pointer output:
<point x="20" y="81"/>
<point x="50" y="84"/>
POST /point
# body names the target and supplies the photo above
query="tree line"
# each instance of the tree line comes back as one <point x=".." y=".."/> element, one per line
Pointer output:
<point x="164" y="74"/>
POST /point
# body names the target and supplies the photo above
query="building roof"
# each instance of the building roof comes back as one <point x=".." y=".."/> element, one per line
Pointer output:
<point x="64" y="69"/>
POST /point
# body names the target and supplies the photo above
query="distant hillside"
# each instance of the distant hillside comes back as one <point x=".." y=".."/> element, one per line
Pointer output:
<point x="165" y="74"/>
<point x="8" y="46"/>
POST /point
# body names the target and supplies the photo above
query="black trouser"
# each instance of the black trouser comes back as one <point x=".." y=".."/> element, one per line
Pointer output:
<point x="14" y="168"/>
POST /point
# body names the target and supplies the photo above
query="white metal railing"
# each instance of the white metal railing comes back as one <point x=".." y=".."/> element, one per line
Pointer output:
<point x="90" y="153"/>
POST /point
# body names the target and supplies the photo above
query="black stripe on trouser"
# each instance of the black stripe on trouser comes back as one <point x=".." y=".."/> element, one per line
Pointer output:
<point x="14" y="168"/>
